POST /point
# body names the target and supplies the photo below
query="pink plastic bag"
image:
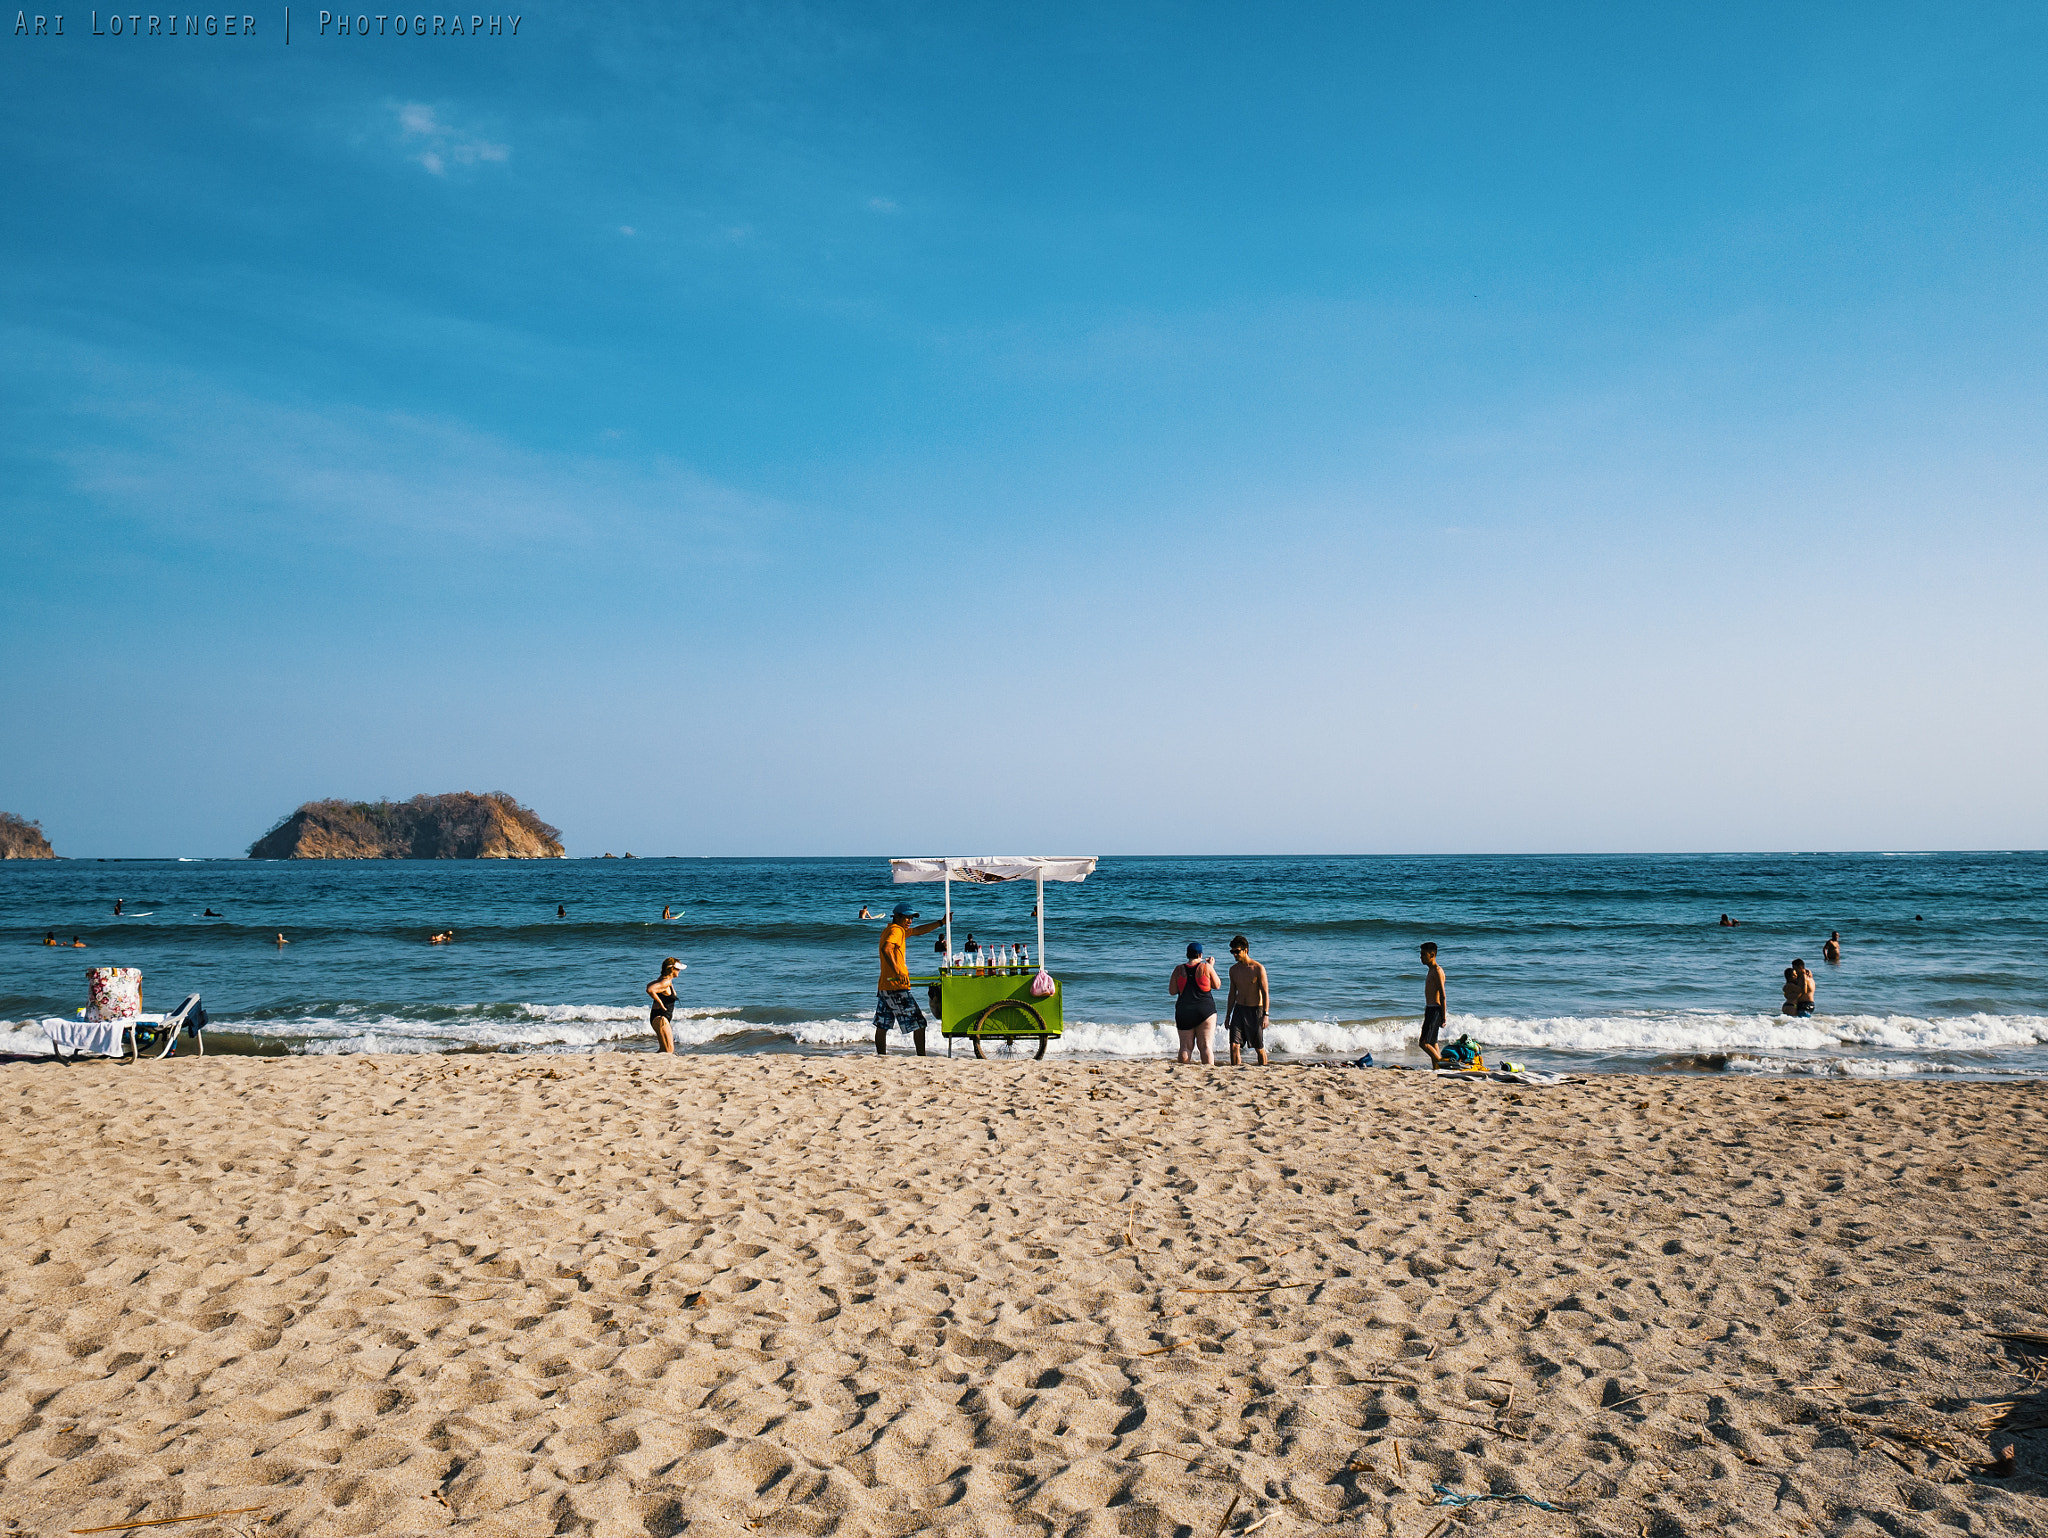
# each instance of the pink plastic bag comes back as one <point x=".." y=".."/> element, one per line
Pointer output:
<point x="1042" y="985"/>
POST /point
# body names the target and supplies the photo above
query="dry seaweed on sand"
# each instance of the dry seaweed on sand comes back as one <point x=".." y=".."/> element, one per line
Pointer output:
<point x="1271" y="1287"/>
<point x="122" y="1527"/>
<point x="1449" y="1497"/>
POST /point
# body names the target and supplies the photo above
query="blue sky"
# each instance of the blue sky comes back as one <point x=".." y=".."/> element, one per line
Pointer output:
<point x="907" y="429"/>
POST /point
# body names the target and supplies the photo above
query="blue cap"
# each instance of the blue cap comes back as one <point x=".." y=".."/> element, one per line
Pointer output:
<point x="903" y="911"/>
<point x="1194" y="949"/>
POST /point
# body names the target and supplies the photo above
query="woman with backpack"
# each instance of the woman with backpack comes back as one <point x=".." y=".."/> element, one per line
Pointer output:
<point x="1193" y="987"/>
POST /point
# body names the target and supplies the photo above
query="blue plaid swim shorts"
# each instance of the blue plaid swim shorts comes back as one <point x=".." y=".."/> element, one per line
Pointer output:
<point x="900" y="1006"/>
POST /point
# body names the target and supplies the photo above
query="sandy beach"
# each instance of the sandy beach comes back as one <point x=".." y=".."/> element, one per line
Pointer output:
<point x="622" y="1295"/>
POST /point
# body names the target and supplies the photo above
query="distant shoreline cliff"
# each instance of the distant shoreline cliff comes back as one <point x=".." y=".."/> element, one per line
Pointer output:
<point x="21" y="839"/>
<point x="458" y="826"/>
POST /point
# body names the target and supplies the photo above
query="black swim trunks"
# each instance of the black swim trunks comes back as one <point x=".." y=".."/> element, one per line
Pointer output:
<point x="1248" y="1027"/>
<point x="1432" y="1023"/>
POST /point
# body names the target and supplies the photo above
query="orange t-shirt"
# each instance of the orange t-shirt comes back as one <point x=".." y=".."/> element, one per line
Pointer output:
<point x="895" y="970"/>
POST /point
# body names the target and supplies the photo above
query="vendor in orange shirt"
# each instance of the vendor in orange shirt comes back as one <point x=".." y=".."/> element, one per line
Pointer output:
<point x="894" y="1002"/>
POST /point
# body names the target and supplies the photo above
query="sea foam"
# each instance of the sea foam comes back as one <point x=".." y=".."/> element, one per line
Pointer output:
<point x="1758" y="1043"/>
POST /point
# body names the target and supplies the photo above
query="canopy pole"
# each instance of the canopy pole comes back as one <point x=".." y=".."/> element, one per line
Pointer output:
<point x="1040" y="911"/>
<point x="949" y="913"/>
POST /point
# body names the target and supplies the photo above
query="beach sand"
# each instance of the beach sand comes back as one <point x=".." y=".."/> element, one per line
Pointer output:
<point x="622" y="1294"/>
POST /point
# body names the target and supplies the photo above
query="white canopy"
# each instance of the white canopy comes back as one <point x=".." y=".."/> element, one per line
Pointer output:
<point x="995" y="867"/>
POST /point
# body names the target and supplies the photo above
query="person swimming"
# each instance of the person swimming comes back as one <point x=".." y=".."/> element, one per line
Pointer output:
<point x="1728" y="923"/>
<point x="561" y="911"/>
<point x="281" y="940"/>
<point x="50" y="937"/>
<point x="442" y="938"/>
<point x="77" y="944"/>
<point x="1832" y="951"/>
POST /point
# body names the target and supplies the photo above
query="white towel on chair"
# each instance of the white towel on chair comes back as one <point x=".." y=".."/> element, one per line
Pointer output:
<point x="105" y="1037"/>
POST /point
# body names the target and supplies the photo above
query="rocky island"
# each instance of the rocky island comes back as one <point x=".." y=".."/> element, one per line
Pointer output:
<point x="458" y="826"/>
<point x="21" y="839"/>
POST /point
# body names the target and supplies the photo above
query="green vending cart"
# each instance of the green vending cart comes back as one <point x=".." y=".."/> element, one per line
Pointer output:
<point x="1003" y="993"/>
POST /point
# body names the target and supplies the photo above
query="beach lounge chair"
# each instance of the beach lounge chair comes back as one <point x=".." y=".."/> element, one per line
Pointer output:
<point x="127" y="1036"/>
<point x="159" y="1040"/>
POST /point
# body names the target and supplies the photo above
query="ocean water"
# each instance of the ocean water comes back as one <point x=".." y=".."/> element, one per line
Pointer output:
<point x="1579" y="963"/>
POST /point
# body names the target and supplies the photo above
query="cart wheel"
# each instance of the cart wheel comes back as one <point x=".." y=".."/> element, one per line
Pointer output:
<point x="1036" y="1019"/>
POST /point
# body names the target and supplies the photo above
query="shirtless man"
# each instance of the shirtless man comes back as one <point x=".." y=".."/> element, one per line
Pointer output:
<point x="1435" y="1007"/>
<point x="1798" y="990"/>
<point x="1831" y="953"/>
<point x="1246" y="1003"/>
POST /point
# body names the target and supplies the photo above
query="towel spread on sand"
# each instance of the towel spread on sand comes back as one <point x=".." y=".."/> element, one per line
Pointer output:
<point x="1504" y="1076"/>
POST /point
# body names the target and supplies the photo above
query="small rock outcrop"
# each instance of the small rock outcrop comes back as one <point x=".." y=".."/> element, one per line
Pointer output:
<point x="458" y="826"/>
<point x="21" y="839"/>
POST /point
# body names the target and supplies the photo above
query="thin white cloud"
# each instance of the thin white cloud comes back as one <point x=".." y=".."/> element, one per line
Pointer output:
<point x="627" y="229"/>
<point x="882" y="205"/>
<point x="357" y="477"/>
<point x="437" y="145"/>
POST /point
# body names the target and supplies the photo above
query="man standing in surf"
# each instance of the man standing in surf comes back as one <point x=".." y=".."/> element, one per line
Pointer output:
<point x="1247" y="1003"/>
<point x="895" y="1004"/>
<point x="1435" y="1008"/>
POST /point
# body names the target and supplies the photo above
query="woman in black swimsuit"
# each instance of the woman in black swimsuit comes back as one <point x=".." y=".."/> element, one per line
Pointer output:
<point x="663" y="991"/>
<point x="1194" y="1006"/>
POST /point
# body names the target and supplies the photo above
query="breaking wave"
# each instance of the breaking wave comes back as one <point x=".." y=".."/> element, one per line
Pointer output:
<point x="1874" y="1046"/>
